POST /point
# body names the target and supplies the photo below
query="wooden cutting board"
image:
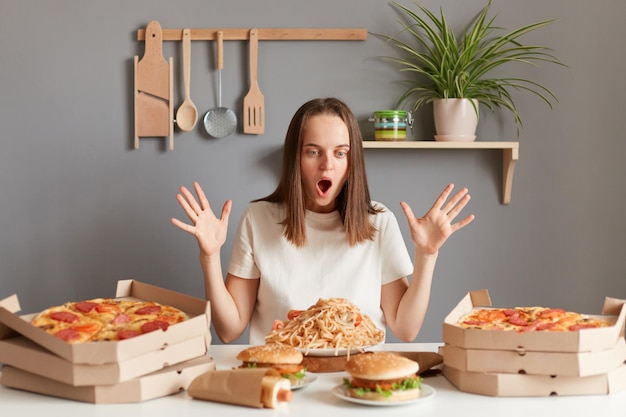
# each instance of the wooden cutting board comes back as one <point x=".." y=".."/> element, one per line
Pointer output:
<point x="154" y="114"/>
<point x="323" y="364"/>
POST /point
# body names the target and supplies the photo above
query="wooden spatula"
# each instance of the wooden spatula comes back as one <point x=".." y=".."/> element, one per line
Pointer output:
<point x="254" y="102"/>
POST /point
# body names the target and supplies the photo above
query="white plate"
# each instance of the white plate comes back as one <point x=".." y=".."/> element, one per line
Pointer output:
<point x="427" y="393"/>
<point x="307" y="380"/>
<point x="333" y="352"/>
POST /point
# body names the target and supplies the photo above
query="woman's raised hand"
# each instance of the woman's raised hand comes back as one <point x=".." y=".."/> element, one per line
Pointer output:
<point x="209" y="230"/>
<point x="430" y="232"/>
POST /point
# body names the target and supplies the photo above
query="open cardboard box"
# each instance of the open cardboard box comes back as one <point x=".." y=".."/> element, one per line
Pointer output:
<point x="588" y="340"/>
<point x="535" y="363"/>
<point x="516" y="385"/>
<point x="167" y="381"/>
<point x="99" y="353"/>
<point x="20" y="352"/>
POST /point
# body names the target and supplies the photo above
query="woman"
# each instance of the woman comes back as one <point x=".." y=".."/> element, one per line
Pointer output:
<point x="318" y="235"/>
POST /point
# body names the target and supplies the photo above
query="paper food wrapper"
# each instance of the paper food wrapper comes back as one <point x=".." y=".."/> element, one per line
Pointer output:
<point x="241" y="386"/>
<point x="322" y="364"/>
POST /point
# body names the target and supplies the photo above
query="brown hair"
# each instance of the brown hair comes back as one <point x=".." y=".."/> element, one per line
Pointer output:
<point x="353" y="202"/>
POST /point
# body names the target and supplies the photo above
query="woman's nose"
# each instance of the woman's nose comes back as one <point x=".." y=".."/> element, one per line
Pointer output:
<point x="326" y="162"/>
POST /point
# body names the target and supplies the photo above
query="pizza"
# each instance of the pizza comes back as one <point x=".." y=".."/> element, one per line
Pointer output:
<point x="524" y="319"/>
<point x="106" y="319"/>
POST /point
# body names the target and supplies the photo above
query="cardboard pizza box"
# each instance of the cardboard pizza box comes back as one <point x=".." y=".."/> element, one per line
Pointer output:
<point x="167" y="381"/>
<point x="22" y="353"/>
<point x="535" y="363"/>
<point x="587" y="340"/>
<point x="517" y="385"/>
<point x="116" y="351"/>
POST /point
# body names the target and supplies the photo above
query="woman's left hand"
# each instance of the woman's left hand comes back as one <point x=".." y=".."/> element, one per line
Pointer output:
<point x="430" y="232"/>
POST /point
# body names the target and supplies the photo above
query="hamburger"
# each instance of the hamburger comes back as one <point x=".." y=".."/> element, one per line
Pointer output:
<point x="382" y="376"/>
<point x="287" y="360"/>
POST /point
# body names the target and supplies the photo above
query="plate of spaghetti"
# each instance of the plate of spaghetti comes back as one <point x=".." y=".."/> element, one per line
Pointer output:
<point x="330" y="327"/>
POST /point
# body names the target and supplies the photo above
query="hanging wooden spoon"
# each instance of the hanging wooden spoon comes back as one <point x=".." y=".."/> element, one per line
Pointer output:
<point x="187" y="113"/>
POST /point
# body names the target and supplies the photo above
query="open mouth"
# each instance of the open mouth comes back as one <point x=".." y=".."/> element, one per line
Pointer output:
<point x="323" y="186"/>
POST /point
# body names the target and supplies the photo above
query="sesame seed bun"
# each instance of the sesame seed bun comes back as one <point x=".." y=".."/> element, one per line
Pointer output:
<point x="271" y="353"/>
<point x="380" y="366"/>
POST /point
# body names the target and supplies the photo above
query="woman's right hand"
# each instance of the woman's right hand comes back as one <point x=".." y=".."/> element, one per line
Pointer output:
<point x="208" y="229"/>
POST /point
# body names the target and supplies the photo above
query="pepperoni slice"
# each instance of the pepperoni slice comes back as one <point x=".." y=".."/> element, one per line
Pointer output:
<point x="85" y="306"/>
<point x="154" y="325"/>
<point x="546" y="326"/>
<point x="517" y="320"/>
<point x="148" y="310"/>
<point x="69" y="335"/>
<point x="529" y="327"/>
<point x="107" y="308"/>
<point x="121" y="318"/>
<point x="127" y="334"/>
<point x="64" y="316"/>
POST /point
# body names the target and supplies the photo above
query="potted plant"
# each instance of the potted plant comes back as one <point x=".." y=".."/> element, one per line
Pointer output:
<point x="457" y="72"/>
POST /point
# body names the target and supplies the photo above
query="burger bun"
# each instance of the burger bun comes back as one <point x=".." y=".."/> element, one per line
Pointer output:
<point x="380" y="366"/>
<point x="271" y="353"/>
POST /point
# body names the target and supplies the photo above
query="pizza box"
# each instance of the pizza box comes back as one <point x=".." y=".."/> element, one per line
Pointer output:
<point x="167" y="381"/>
<point x="115" y="351"/>
<point x="587" y="340"/>
<point x="517" y="385"/>
<point x="535" y="363"/>
<point x="22" y="353"/>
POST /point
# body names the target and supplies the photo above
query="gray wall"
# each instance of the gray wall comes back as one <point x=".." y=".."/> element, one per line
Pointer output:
<point x="81" y="209"/>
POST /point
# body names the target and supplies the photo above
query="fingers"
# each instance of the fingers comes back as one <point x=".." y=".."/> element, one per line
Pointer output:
<point x="186" y="207"/>
<point x="190" y="200"/>
<point x="226" y="210"/>
<point x="452" y="207"/>
<point x="442" y="197"/>
<point x="183" y="226"/>
<point x="456" y="203"/>
<point x="408" y="212"/>
<point x="194" y="208"/>
<point x="463" y="223"/>
<point x="204" y="202"/>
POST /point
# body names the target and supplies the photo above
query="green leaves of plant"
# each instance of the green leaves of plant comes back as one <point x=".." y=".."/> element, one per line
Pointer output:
<point x="444" y="66"/>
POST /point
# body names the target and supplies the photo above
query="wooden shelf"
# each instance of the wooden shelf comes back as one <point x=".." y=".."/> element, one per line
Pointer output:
<point x="510" y="155"/>
<point x="265" y="34"/>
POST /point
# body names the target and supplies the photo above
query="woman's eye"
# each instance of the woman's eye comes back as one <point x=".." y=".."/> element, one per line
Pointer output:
<point x="342" y="154"/>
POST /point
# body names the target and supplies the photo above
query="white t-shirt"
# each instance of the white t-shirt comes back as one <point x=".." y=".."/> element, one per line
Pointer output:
<point x="327" y="267"/>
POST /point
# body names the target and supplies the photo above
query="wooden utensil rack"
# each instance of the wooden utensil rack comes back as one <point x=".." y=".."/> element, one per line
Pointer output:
<point x="153" y="74"/>
<point x="265" y="34"/>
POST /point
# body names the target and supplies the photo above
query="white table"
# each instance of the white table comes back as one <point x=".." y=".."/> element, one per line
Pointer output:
<point x="316" y="400"/>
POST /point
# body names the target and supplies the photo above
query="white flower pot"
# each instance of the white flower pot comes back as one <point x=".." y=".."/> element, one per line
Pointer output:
<point x="456" y="119"/>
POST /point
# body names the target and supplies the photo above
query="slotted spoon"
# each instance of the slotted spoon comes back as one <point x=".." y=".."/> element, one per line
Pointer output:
<point x="221" y="121"/>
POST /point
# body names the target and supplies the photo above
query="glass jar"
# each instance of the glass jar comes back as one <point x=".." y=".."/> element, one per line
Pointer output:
<point x="391" y="124"/>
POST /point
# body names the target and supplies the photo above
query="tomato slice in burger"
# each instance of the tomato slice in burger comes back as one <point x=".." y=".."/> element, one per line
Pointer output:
<point x="289" y="369"/>
<point x="372" y="385"/>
